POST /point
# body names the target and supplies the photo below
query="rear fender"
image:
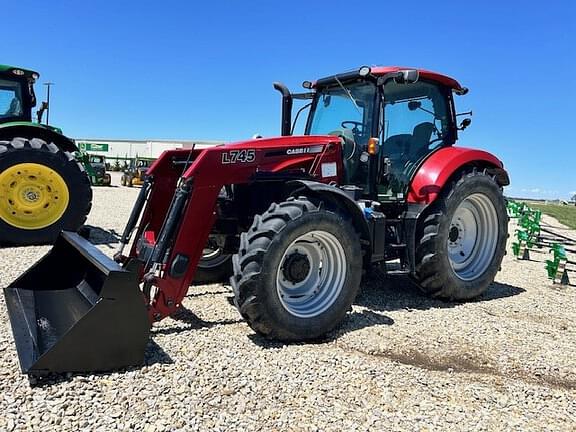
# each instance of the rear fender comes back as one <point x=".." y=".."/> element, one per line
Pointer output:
<point x="27" y="130"/>
<point x="439" y="168"/>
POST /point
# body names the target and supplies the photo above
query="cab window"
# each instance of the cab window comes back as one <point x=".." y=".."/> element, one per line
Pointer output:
<point x="10" y="99"/>
<point x="416" y="118"/>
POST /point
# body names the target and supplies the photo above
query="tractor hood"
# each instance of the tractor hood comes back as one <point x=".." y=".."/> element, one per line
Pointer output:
<point x="285" y="141"/>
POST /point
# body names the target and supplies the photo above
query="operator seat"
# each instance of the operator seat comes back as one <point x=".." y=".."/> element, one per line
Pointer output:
<point x="421" y="136"/>
<point x="14" y="109"/>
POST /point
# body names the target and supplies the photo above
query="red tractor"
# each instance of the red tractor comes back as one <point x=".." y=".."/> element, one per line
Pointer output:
<point x="374" y="181"/>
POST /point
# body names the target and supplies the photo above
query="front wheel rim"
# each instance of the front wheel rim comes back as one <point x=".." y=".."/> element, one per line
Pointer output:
<point x="32" y="196"/>
<point x="473" y="237"/>
<point x="311" y="274"/>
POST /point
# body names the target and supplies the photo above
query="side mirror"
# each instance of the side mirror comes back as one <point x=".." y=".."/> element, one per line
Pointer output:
<point x="407" y="76"/>
<point x="465" y="123"/>
<point x="414" y="105"/>
<point x="40" y="112"/>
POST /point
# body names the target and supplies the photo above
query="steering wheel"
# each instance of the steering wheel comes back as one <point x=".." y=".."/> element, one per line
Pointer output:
<point x="355" y="125"/>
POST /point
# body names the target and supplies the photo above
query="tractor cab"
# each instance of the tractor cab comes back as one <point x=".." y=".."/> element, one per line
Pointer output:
<point x="389" y="120"/>
<point x="17" y="96"/>
<point x="97" y="160"/>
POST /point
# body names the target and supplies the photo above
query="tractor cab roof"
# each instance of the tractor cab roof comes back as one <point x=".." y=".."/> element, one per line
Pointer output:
<point x="18" y="71"/>
<point x="378" y="71"/>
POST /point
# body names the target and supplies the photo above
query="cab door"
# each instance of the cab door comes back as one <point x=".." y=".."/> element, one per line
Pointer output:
<point x="417" y="119"/>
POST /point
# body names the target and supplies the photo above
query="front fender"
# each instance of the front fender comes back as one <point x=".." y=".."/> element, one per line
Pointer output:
<point x="436" y="171"/>
<point x="31" y="130"/>
<point x="336" y="196"/>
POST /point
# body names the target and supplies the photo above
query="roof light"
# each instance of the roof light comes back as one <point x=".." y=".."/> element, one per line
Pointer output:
<point x="35" y="76"/>
<point x="18" y="72"/>
<point x="307" y="84"/>
<point x="364" y="71"/>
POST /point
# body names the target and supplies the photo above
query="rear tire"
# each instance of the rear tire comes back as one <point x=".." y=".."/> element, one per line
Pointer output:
<point x="462" y="239"/>
<point x="214" y="266"/>
<point x="297" y="271"/>
<point x="23" y="221"/>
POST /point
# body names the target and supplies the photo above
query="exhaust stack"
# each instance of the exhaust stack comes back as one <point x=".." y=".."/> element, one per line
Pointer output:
<point x="286" y="126"/>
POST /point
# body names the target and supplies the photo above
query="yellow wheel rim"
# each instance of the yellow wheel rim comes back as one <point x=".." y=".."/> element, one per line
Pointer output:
<point x="32" y="196"/>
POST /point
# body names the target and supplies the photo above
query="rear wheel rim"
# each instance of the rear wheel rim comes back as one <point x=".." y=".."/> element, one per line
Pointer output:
<point x="473" y="237"/>
<point x="311" y="274"/>
<point x="32" y="196"/>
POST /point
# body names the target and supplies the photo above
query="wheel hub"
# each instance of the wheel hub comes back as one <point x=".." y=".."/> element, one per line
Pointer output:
<point x="32" y="196"/>
<point x="454" y="234"/>
<point x="296" y="267"/>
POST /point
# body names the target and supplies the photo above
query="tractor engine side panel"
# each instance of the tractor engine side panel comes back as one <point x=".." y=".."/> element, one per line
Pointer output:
<point x="433" y="174"/>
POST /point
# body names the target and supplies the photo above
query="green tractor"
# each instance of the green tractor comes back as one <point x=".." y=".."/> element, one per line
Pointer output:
<point x="43" y="188"/>
<point x="95" y="166"/>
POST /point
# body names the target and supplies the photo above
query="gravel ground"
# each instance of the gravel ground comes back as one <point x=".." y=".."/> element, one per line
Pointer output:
<point x="400" y="361"/>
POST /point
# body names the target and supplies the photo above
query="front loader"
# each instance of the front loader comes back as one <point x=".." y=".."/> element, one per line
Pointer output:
<point x="374" y="181"/>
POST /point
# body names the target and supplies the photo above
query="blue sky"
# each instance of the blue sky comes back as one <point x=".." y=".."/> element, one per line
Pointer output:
<point x="204" y="70"/>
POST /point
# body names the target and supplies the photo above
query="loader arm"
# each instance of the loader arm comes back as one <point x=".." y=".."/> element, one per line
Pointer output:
<point x="180" y="211"/>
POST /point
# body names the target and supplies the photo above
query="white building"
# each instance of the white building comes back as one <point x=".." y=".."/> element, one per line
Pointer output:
<point x="128" y="149"/>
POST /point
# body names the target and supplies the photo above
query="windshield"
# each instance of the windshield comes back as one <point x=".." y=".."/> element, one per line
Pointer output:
<point x="10" y="99"/>
<point x="349" y="106"/>
<point x="97" y="159"/>
<point x="347" y="110"/>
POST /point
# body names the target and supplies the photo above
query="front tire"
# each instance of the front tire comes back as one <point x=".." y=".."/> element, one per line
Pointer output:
<point x="297" y="271"/>
<point x="43" y="190"/>
<point x="462" y="239"/>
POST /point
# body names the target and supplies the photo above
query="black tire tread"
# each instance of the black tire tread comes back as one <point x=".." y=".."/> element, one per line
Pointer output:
<point x="81" y="213"/>
<point x="430" y="273"/>
<point x="248" y="262"/>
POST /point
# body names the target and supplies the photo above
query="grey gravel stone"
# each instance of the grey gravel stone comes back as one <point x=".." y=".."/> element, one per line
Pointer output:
<point x="400" y="361"/>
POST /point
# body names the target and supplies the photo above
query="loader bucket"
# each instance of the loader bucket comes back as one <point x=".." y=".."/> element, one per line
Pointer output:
<point x="76" y="310"/>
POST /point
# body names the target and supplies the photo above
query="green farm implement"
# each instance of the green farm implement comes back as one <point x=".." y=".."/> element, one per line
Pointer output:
<point x="531" y="236"/>
<point x="559" y="267"/>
